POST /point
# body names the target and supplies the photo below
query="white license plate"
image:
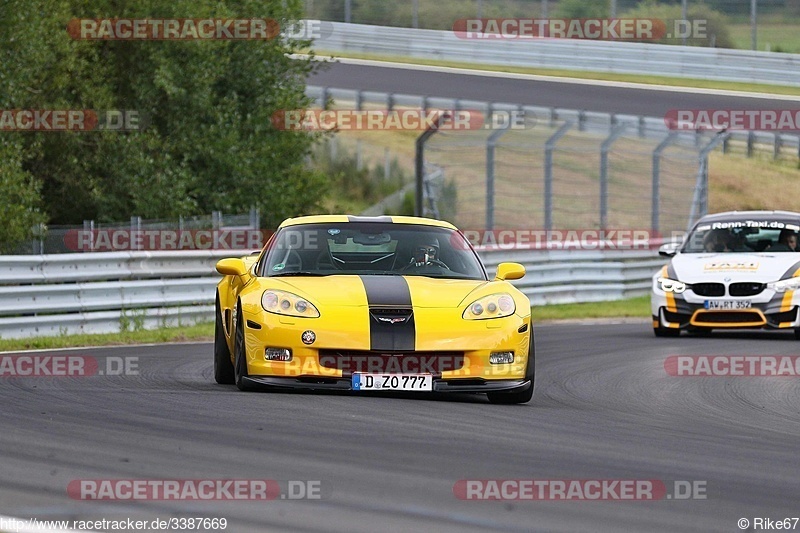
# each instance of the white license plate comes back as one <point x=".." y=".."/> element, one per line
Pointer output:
<point x="402" y="382"/>
<point x="728" y="304"/>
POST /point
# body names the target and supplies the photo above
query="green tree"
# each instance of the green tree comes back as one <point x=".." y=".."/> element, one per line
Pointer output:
<point x="20" y="197"/>
<point x="208" y="141"/>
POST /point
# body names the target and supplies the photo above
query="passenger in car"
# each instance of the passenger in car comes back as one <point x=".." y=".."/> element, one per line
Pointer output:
<point x="787" y="242"/>
<point x="717" y="240"/>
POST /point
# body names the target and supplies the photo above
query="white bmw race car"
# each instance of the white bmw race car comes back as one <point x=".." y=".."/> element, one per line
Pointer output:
<point x="739" y="269"/>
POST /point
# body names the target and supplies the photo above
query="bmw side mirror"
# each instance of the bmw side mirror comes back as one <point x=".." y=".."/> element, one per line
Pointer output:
<point x="669" y="249"/>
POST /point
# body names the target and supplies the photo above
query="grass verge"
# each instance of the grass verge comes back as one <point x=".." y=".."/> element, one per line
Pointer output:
<point x="564" y="73"/>
<point x="634" y="307"/>
<point x="198" y="332"/>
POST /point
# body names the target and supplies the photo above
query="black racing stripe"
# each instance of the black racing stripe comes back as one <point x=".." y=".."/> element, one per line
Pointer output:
<point x="386" y="219"/>
<point x="389" y="297"/>
<point x="387" y="291"/>
<point x="789" y="273"/>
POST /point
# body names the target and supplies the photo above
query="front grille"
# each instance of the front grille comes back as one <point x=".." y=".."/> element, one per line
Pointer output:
<point x="746" y="288"/>
<point x="734" y="318"/>
<point x="708" y="289"/>
<point x="349" y="361"/>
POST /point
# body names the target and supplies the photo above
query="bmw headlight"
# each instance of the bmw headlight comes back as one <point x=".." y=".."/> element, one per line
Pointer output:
<point x="671" y="285"/>
<point x="791" y="284"/>
<point x="288" y="304"/>
<point x="493" y="306"/>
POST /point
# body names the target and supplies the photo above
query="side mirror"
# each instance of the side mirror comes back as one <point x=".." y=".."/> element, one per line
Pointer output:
<point x="231" y="267"/>
<point x="509" y="271"/>
<point x="669" y="249"/>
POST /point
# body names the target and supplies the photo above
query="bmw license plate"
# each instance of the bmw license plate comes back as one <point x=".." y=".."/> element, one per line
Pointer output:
<point x="728" y="304"/>
<point x="401" y="382"/>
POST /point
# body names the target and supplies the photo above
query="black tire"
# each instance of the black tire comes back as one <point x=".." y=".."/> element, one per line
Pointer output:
<point x="239" y="357"/>
<point x="797" y="333"/>
<point x="508" y="398"/>
<point x="223" y="367"/>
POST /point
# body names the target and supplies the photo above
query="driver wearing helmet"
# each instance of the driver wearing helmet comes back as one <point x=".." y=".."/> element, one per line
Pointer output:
<point x="426" y="253"/>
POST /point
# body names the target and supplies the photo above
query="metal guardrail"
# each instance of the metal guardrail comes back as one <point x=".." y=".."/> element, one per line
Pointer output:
<point x="574" y="276"/>
<point x="57" y="294"/>
<point x="48" y="295"/>
<point x="568" y="54"/>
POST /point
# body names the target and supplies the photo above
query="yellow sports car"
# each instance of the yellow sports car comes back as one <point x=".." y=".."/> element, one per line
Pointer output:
<point x="373" y="304"/>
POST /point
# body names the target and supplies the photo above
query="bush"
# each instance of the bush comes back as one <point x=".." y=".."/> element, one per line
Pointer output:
<point x="351" y="187"/>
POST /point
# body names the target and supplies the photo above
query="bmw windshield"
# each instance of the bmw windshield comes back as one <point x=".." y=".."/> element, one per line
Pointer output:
<point x="757" y="235"/>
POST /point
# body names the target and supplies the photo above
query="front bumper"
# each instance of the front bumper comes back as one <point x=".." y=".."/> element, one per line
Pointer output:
<point x="460" y="348"/>
<point x="686" y="315"/>
<point x="345" y="384"/>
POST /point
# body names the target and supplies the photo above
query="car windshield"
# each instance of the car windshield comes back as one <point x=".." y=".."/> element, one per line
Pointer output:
<point x="757" y="235"/>
<point x="376" y="248"/>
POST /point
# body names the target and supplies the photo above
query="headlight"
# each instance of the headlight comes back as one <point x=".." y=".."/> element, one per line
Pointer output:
<point x="671" y="285"/>
<point x="791" y="284"/>
<point x="493" y="306"/>
<point x="286" y="303"/>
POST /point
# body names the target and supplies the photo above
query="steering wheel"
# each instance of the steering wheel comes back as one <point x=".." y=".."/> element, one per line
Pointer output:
<point x="430" y="262"/>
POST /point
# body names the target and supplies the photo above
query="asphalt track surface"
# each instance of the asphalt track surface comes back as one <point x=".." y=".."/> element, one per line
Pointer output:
<point x="604" y="408"/>
<point x="586" y="95"/>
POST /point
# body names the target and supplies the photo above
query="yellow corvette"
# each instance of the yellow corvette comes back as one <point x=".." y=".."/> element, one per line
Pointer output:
<point x="373" y="304"/>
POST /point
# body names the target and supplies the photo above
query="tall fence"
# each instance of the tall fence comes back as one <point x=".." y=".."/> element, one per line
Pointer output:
<point x="58" y="239"/>
<point x="48" y="295"/>
<point x="566" y="168"/>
